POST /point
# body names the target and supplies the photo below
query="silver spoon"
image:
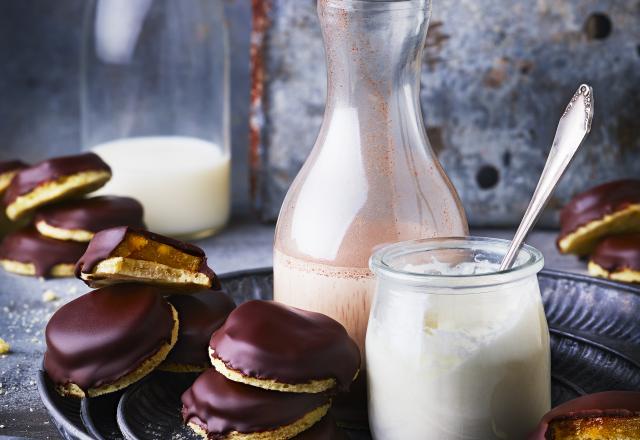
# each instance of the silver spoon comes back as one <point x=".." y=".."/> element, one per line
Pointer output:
<point x="573" y="127"/>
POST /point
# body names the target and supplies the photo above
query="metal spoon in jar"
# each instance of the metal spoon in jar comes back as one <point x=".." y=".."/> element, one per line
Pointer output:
<point x="573" y="127"/>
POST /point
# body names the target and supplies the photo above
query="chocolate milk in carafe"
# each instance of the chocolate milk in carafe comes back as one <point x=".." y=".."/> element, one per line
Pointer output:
<point x="372" y="177"/>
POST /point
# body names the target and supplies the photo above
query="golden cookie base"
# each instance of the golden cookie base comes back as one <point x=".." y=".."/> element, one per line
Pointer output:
<point x="596" y="428"/>
<point x="313" y="386"/>
<point x="29" y="269"/>
<point x="584" y="239"/>
<point x="625" y="275"/>
<point x="79" y="235"/>
<point x="282" y="433"/>
<point x="5" y="180"/>
<point x="147" y="366"/>
<point x="67" y="186"/>
<point x="119" y="269"/>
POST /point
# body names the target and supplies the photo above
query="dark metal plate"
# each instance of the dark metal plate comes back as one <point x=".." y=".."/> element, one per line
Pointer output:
<point x="595" y="346"/>
<point x="99" y="416"/>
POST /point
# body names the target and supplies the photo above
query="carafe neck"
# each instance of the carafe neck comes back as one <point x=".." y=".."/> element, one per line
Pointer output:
<point x="374" y="52"/>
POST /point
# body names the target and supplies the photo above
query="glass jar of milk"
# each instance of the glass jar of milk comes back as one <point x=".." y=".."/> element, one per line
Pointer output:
<point x="455" y="348"/>
<point x="154" y="102"/>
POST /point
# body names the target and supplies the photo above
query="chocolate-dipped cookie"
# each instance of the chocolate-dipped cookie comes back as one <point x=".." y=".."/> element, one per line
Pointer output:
<point x="218" y="408"/>
<point x="8" y="170"/>
<point x="126" y="254"/>
<point x="108" y="339"/>
<point x="200" y="315"/>
<point x="617" y="258"/>
<point x="80" y="220"/>
<point x="609" y="415"/>
<point x="273" y="346"/>
<point x="54" y="179"/>
<point x="608" y="209"/>
<point x="26" y="252"/>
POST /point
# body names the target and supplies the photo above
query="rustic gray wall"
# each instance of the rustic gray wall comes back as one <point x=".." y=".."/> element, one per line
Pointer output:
<point x="496" y="77"/>
<point x="495" y="80"/>
<point x="39" y="82"/>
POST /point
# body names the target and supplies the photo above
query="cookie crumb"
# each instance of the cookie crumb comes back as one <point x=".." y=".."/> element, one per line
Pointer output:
<point x="49" y="295"/>
<point x="4" y="346"/>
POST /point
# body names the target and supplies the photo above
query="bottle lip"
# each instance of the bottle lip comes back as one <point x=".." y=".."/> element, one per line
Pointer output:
<point x="529" y="262"/>
<point x="377" y="5"/>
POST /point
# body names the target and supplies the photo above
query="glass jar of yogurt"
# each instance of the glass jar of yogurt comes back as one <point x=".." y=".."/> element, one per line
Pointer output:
<point x="456" y="349"/>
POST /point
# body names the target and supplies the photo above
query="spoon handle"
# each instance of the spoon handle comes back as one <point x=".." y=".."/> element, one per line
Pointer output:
<point x="573" y="127"/>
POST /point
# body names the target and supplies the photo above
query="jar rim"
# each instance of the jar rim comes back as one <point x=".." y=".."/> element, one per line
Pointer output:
<point x="377" y="5"/>
<point x="529" y="262"/>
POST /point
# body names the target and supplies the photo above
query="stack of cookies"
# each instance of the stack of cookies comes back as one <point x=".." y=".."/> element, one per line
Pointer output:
<point x="55" y="227"/>
<point x="157" y="306"/>
<point x="115" y="335"/>
<point x="275" y="371"/>
<point x="603" y="223"/>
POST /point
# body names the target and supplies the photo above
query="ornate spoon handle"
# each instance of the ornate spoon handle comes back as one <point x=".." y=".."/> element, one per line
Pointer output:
<point x="573" y="127"/>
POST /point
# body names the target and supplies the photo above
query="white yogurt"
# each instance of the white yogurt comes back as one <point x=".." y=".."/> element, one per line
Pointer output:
<point x="467" y="365"/>
<point x="182" y="182"/>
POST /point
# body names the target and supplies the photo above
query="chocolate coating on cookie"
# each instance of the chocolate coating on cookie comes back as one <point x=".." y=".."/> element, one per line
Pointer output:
<point x="12" y="165"/>
<point x="221" y="406"/>
<point x="609" y="403"/>
<point x="28" y="179"/>
<point x="200" y="315"/>
<point x="105" y="242"/>
<point x="105" y="334"/>
<point x="28" y="246"/>
<point x="618" y="252"/>
<point x="94" y="214"/>
<point x="597" y="202"/>
<point x="268" y="340"/>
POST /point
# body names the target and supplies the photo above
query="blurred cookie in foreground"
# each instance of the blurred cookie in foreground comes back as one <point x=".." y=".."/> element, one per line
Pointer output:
<point x="125" y="254"/>
<point x="26" y="252"/>
<point x="53" y="180"/>
<point x="608" y="209"/>
<point x="218" y="408"/>
<point x="200" y="315"/>
<point x="107" y="339"/>
<point x="8" y="169"/>
<point x="617" y="258"/>
<point x="612" y="415"/>
<point x="273" y="346"/>
<point x="80" y="220"/>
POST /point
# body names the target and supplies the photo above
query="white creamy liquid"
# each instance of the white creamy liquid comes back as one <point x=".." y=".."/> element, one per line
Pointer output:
<point x="182" y="182"/>
<point x="453" y="367"/>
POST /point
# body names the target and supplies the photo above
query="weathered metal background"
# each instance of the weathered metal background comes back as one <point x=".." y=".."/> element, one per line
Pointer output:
<point x="496" y="77"/>
<point x="40" y="76"/>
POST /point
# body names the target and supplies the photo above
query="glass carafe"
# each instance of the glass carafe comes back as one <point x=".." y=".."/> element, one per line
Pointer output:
<point x="372" y="177"/>
<point x="155" y="106"/>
